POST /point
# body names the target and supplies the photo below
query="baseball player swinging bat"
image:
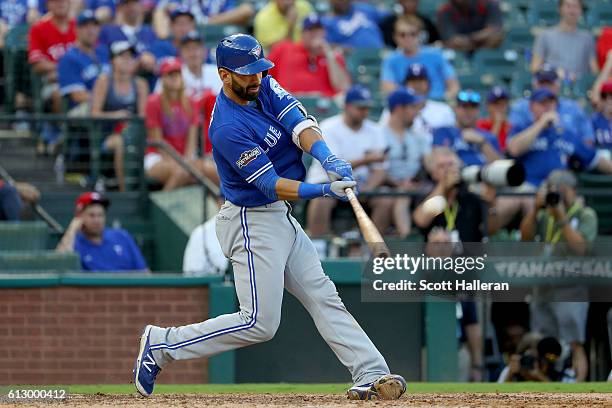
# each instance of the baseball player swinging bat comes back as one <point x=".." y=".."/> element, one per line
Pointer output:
<point x="370" y="233"/>
<point x="259" y="133"/>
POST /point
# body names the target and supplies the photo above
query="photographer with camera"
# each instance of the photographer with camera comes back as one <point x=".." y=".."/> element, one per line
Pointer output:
<point x="535" y="363"/>
<point x="560" y="217"/>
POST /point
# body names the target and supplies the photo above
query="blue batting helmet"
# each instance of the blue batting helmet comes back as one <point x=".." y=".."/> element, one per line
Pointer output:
<point x="242" y="54"/>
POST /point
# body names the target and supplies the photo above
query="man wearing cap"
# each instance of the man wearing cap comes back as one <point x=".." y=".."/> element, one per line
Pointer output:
<point x="104" y="10"/>
<point x="182" y="22"/>
<point x="573" y="226"/>
<point x="129" y="27"/>
<point x="497" y="122"/>
<point x="571" y="114"/>
<point x="79" y="68"/>
<point x="473" y="146"/>
<point x="100" y="248"/>
<point x="280" y="20"/>
<point x="359" y="141"/>
<point x="442" y="79"/>
<point x="546" y="144"/>
<point x="602" y="120"/>
<point x="408" y="142"/>
<point x="310" y="65"/>
<point x="434" y="114"/>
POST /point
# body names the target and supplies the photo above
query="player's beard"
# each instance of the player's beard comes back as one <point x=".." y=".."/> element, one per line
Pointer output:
<point x="245" y="93"/>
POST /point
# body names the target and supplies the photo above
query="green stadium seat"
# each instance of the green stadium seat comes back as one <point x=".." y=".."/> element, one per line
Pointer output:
<point x="23" y="236"/>
<point x="499" y="62"/>
<point x="319" y="107"/>
<point x="428" y="8"/>
<point x="520" y="86"/>
<point x="599" y="14"/>
<point x="542" y="13"/>
<point x="38" y="260"/>
<point x="519" y="37"/>
<point x="582" y="86"/>
<point x="479" y="82"/>
<point x="363" y="61"/>
<point x="459" y="60"/>
<point x="213" y="33"/>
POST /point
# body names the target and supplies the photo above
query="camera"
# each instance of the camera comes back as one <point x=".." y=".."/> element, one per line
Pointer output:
<point x="500" y="173"/>
<point x="552" y="199"/>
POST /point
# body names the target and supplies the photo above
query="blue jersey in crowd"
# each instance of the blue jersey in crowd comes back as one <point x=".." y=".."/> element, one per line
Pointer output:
<point x="78" y="71"/>
<point x="13" y="12"/>
<point x="250" y="140"/>
<point x="469" y="153"/>
<point x="163" y="49"/>
<point x="571" y="114"/>
<point x="142" y="39"/>
<point x="395" y="67"/>
<point x="93" y="5"/>
<point x="117" y="252"/>
<point x="356" y="29"/>
<point x="551" y="151"/>
<point x="603" y="131"/>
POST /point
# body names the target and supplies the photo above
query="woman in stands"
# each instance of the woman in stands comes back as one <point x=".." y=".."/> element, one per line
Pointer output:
<point x="172" y="117"/>
<point x="119" y="95"/>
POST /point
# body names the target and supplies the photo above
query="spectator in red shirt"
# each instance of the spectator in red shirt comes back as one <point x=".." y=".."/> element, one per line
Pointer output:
<point x="171" y="117"/>
<point x="466" y="25"/>
<point x="311" y="65"/>
<point x="497" y="121"/>
<point x="49" y="39"/>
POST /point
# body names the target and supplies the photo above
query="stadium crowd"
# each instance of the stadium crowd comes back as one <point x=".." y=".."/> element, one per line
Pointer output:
<point x="118" y="59"/>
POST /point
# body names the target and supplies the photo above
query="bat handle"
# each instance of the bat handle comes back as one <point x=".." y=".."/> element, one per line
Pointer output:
<point x="350" y="194"/>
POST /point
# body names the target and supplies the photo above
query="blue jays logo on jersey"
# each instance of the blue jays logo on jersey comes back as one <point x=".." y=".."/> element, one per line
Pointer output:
<point x="256" y="51"/>
<point x="277" y="89"/>
<point x="248" y="156"/>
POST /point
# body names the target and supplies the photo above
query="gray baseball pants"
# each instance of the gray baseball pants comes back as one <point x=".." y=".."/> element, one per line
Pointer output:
<point x="270" y="251"/>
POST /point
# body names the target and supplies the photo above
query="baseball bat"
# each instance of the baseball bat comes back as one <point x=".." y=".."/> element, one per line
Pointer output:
<point x="370" y="233"/>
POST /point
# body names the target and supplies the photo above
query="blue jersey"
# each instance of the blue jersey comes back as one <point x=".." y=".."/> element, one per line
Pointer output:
<point x="142" y="39"/>
<point x="249" y="140"/>
<point x="395" y="67"/>
<point x="13" y="12"/>
<point x="469" y="153"/>
<point x="356" y="29"/>
<point x="117" y="252"/>
<point x="551" y="151"/>
<point x="163" y="49"/>
<point x="603" y="131"/>
<point x="202" y="9"/>
<point x="78" y="71"/>
<point x="571" y="114"/>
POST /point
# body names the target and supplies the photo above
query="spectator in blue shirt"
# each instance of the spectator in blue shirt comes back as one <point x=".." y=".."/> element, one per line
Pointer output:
<point x="572" y="116"/>
<point x="79" y="68"/>
<point x="442" y="79"/>
<point x="129" y="27"/>
<point x="353" y="25"/>
<point x="182" y="22"/>
<point x="473" y="146"/>
<point x="546" y="144"/>
<point x="205" y="12"/>
<point x="602" y="120"/>
<point x="100" y="248"/>
<point x="15" y="12"/>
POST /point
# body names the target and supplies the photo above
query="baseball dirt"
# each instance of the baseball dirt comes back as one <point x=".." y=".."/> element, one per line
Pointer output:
<point x="507" y="400"/>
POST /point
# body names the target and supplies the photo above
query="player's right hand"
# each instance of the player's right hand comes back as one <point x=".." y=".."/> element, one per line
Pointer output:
<point x="337" y="169"/>
<point x="336" y="189"/>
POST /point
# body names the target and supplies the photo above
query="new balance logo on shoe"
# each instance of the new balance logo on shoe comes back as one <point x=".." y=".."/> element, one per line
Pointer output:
<point x="149" y="362"/>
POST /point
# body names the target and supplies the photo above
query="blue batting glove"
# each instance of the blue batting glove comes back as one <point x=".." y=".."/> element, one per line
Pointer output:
<point x="337" y="169"/>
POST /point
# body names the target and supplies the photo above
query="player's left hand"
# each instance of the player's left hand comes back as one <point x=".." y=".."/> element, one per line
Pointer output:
<point x="337" y="169"/>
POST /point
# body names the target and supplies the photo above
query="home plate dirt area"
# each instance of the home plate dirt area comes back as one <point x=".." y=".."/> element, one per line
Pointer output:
<point x="239" y="400"/>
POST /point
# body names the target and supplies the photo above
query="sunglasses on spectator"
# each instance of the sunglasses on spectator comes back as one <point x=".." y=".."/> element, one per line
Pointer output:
<point x="469" y="98"/>
<point x="606" y="95"/>
<point x="407" y="33"/>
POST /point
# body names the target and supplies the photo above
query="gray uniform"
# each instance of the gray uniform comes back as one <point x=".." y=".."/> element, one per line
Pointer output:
<point x="270" y="251"/>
